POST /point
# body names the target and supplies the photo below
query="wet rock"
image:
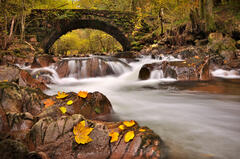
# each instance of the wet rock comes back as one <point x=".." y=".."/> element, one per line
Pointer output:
<point x="145" y="71"/>
<point x="43" y="76"/>
<point x="12" y="73"/>
<point x="127" y="54"/>
<point x="27" y="80"/>
<point x="12" y="149"/>
<point x="238" y="44"/>
<point x="42" y="61"/>
<point x="50" y="137"/>
<point x="90" y="67"/>
<point x="62" y="68"/>
<point x="191" y="69"/>
<point x="16" y="125"/>
<point x="93" y="106"/>
<point x="19" y="99"/>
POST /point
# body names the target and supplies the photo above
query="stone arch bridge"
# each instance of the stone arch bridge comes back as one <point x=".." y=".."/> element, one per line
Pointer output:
<point x="50" y="25"/>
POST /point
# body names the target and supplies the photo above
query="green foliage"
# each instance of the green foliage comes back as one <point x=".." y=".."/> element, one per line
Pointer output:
<point x="84" y="42"/>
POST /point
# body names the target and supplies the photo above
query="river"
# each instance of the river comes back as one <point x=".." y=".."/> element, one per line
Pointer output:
<point x="194" y="124"/>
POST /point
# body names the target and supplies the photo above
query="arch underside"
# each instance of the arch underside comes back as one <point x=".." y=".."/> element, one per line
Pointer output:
<point x="85" y="24"/>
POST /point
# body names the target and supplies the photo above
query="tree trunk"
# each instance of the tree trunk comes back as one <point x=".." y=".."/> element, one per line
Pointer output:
<point x="23" y="22"/>
<point x="209" y="15"/>
<point x="201" y="8"/>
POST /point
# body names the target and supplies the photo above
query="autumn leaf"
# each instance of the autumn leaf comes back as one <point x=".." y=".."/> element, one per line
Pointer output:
<point x="129" y="136"/>
<point x="129" y="123"/>
<point x="61" y="95"/>
<point x="142" y="130"/>
<point x="82" y="94"/>
<point x="63" y="109"/>
<point x="48" y="103"/>
<point x="121" y="127"/>
<point x="81" y="133"/>
<point x="70" y="102"/>
<point x="114" y="136"/>
<point x="197" y="57"/>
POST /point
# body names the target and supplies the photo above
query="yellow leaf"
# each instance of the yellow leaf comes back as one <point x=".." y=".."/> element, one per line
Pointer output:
<point x="129" y="136"/>
<point x="142" y="130"/>
<point x="5" y="80"/>
<point x="81" y="133"/>
<point x="82" y="94"/>
<point x="121" y="127"/>
<point x="61" y="95"/>
<point x="70" y="102"/>
<point x="129" y="123"/>
<point x="184" y="62"/>
<point x="63" y="109"/>
<point x="48" y="103"/>
<point x="114" y="136"/>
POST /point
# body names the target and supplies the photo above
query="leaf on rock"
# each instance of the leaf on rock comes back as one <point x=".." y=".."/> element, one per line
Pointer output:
<point x="82" y="94"/>
<point x="63" y="109"/>
<point x="61" y="95"/>
<point x="70" y="102"/>
<point x="142" y="130"/>
<point x="121" y="127"/>
<point x="114" y="136"/>
<point x="129" y="123"/>
<point x="48" y="103"/>
<point x="129" y="136"/>
<point x="81" y="133"/>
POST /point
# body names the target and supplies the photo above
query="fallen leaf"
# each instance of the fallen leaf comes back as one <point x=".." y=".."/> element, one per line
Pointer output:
<point x="61" y="95"/>
<point x="5" y="80"/>
<point x="197" y="57"/>
<point x="70" y="102"/>
<point x="142" y="130"/>
<point x="63" y="109"/>
<point x="81" y="133"/>
<point x="114" y="136"/>
<point x="82" y="94"/>
<point x="121" y="127"/>
<point x="184" y="62"/>
<point x="48" y="103"/>
<point x="129" y="136"/>
<point x="129" y="123"/>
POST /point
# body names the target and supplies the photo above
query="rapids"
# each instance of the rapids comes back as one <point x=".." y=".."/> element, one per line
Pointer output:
<point x="204" y="125"/>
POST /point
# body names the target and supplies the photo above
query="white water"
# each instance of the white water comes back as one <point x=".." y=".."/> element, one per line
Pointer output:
<point x="204" y="124"/>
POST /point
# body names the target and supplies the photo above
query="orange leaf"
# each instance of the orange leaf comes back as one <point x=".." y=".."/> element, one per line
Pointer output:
<point x="114" y="136"/>
<point x="129" y="123"/>
<point x="82" y="94"/>
<point x="197" y="57"/>
<point x="61" y="95"/>
<point x="142" y="130"/>
<point x="48" y="103"/>
<point x="129" y="136"/>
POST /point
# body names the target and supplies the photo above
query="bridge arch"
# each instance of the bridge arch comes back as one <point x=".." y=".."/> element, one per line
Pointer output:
<point x="64" y="28"/>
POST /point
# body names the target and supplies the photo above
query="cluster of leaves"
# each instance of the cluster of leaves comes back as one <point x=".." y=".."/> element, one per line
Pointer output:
<point x="62" y="95"/>
<point x="129" y="134"/>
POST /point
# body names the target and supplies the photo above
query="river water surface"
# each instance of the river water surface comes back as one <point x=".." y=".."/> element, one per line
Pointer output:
<point x="194" y="123"/>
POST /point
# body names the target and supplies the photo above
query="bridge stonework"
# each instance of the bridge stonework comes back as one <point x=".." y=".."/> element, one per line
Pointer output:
<point x="50" y="25"/>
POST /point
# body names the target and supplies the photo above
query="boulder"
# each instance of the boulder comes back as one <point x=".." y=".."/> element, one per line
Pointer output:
<point x="93" y="106"/>
<point x="10" y="73"/>
<point x="56" y="139"/>
<point x="191" y="69"/>
<point x="215" y="37"/>
<point x="17" y="99"/>
<point x="42" y="61"/>
<point x="89" y="67"/>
